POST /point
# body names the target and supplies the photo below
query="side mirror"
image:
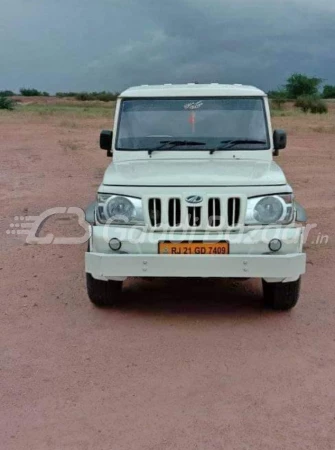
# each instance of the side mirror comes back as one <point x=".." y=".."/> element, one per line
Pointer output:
<point x="279" y="141"/>
<point x="106" y="137"/>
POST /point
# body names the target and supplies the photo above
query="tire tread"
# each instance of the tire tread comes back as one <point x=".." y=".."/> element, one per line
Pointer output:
<point x="281" y="296"/>
<point x="103" y="293"/>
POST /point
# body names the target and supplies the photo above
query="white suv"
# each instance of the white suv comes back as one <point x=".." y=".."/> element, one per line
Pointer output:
<point x="193" y="191"/>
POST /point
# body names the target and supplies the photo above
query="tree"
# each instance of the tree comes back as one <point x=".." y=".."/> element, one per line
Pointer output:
<point x="7" y="93"/>
<point x="29" y="92"/>
<point x="299" y="85"/>
<point x="328" y="91"/>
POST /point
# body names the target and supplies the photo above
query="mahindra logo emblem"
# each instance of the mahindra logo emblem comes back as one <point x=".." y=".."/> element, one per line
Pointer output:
<point x="194" y="199"/>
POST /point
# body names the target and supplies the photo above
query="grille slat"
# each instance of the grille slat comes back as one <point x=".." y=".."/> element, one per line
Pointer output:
<point x="234" y="206"/>
<point x="194" y="216"/>
<point x="214" y="212"/>
<point x="174" y="212"/>
<point x="155" y="212"/>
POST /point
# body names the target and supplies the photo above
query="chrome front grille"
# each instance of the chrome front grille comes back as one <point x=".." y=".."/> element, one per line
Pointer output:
<point x="214" y="213"/>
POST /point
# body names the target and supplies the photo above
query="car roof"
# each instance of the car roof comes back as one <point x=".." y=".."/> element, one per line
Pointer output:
<point x="193" y="90"/>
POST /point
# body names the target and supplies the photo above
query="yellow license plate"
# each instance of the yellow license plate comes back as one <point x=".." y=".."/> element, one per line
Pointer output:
<point x="193" y="248"/>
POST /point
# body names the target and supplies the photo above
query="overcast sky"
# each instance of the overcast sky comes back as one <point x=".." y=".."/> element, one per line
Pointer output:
<point x="64" y="45"/>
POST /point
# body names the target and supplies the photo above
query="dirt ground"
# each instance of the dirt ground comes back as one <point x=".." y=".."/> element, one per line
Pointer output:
<point x="181" y="365"/>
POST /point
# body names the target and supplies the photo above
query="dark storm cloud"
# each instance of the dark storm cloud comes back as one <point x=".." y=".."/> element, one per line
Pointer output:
<point x="111" y="44"/>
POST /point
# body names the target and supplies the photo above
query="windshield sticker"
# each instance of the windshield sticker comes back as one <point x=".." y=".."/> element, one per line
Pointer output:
<point x="193" y="105"/>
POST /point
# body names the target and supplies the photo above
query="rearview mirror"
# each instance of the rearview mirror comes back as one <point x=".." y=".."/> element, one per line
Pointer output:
<point x="279" y="141"/>
<point x="106" y="137"/>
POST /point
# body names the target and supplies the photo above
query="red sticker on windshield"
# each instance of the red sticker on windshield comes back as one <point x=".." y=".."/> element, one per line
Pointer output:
<point x="191" y="120"/>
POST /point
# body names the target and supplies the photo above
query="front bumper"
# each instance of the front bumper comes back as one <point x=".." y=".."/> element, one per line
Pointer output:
<point x="103" y="266"/>
<point x="249" y="255"/>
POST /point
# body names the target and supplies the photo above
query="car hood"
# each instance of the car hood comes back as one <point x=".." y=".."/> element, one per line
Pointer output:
<point x="194" y="173"/>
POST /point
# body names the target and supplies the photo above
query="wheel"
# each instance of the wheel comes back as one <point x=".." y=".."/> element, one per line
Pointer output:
<point x="281" y="296"/>
<point x="103" y="293"/>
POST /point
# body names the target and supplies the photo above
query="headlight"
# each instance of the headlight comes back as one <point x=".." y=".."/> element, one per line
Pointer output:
<point x="119" y="210"/>
<point x="272" y="209"/>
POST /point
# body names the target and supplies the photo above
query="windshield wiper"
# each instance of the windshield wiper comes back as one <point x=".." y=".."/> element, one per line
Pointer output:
<point x="173" y="144"/>
<point x="233" y="142"/>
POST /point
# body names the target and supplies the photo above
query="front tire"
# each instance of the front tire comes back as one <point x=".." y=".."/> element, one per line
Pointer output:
<point x="281" y="296"/>
<point x="103" y="293"/>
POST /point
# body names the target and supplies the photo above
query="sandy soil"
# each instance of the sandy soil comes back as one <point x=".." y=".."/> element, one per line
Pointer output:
<point x="182" y="365"/>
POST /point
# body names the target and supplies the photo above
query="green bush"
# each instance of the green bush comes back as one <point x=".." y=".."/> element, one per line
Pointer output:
<point x="83" y="96"/>
<point x="107" y="96"/>
<point x="102" y="96"/>
<point x="311" y="103"/>
<point x="29" y="92"/>
<point x="328" y="91"/>
<point x="319" y="107"/>
<point x="304" y="103"/>
<point x="7" y="94"/>
<point x="278" y="98"/>
<point x="66" y="94"/>
<point x="6" y="103"/>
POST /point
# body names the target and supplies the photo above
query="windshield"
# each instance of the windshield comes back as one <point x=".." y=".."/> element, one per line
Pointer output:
<point x="193" y="124"/>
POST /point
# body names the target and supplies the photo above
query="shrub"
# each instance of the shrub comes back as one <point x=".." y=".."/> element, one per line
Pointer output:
<point x="83" y="96"/>
<point x="304" y="103"/>
<point x="6" y="103"/>
<point x="319" y="107"/>
<point x="311" y="103"/>
<point x="328" y="91"/>
<point x="66" y="94"/>
<point x="278" y="98"/>
<point x="106" y="96"/>
<point x="7" y="93"/>
<point x="102" y="96"/>
<point x="29" y="92"/>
